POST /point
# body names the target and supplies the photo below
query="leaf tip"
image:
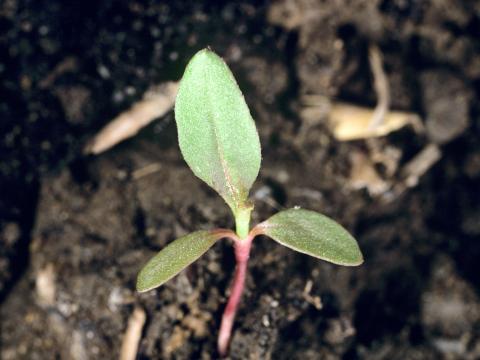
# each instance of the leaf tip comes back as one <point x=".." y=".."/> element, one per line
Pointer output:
<point x="205" y="55"/>
<point x="358" y="258"/>
<point x="355" y="259"/>
<point x="145" y="281"/>
<point x="357" y="262"/>
<point x="141" y="287"/>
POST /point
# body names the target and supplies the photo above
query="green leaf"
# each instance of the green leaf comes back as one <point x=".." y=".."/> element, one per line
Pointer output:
<point x="175" y="257"/>
<point x="314" y="234"/>
<point x="216" y="133"/>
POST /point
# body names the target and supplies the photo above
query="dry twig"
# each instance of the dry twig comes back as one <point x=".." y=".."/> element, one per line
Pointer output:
<point x="380" y="84"/>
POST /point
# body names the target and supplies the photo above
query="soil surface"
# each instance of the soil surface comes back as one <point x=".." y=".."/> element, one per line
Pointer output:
<point x="75" y="230"/>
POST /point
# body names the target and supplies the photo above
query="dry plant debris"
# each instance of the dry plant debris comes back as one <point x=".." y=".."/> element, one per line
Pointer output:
<point x="156" y="102"/>
<point x="133" y="334"/>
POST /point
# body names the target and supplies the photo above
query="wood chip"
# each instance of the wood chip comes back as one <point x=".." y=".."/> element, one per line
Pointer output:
<point x="316" y="301"/>
<point x="364" y="175"/>
<point x="133" y="335"/>
<point x="146" y="170"/>
<point x="350" y="122"/>
<point x="381" y="86"/>
<point x="45" y="285"/>
<point x="66" y="65"/>
<point x="420" y="164"/>
<point x="156" y="103"/>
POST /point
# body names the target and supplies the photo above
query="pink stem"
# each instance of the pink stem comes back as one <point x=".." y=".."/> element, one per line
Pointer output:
<point x="242" y="253"/>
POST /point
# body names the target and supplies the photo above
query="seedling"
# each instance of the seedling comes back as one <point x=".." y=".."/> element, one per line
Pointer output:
<point x="219" y="142"/>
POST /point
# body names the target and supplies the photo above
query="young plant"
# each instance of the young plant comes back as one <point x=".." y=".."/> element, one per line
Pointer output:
<point x="219" y="142"/>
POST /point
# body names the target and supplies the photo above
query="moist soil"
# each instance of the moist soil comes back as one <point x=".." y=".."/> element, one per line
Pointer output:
<point x="75" y="230"/>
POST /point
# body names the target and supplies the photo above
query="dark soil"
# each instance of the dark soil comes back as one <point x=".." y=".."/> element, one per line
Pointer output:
<point x="67" y="68"/>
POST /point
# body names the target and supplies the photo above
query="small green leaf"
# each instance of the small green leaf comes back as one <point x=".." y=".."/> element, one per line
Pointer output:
<point x="314" y="234"/>
<point x="175" y="257"/>
<point x="216" y="133"/>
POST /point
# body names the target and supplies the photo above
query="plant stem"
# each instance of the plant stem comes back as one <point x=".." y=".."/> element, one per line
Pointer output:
<point x="242" y="253"/>
<point x="242" y="222"/>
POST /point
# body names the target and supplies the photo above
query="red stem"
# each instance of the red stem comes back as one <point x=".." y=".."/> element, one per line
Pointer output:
<point x="242" y="253"/>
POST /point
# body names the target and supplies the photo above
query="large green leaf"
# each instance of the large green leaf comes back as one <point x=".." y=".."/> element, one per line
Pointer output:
<point x="175" y="257"/>
<point x="314" y="234"/>
<point x="216" y="132"/>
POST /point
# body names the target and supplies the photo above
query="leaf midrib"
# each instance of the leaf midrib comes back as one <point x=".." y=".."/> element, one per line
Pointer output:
<point x="219" y="146"/>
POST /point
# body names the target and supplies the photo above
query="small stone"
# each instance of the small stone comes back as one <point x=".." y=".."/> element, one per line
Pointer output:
<point x="446" y="101"/>
<point x="10" y="234"/>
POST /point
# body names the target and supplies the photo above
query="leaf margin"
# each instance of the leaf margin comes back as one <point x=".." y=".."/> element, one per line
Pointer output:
<point x="265" y="228"/>
<point x="150" y="269"/>
<point x="235" y="193"/>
